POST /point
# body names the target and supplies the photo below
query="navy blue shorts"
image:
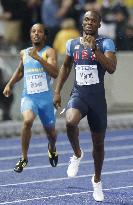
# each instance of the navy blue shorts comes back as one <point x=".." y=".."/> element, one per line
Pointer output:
<point x="94" y="107"/>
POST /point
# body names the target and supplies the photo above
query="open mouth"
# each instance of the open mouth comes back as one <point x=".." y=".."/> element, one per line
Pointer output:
<point x="89" y="28"/>
<point x="36" y="38"/>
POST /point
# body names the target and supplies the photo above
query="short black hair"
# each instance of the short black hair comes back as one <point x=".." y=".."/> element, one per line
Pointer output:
<point x="98" y="14"/>
<point x="46" y="32"/>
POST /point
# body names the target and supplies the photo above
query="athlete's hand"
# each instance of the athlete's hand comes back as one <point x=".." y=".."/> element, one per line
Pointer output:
<point x="7" y="90"/>
<point x="57" y="101"/>
<point x="33" y="53"/>
<point x="89" y="41"/>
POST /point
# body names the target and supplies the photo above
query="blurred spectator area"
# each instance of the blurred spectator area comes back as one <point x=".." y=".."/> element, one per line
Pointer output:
<point x="128" y="3"/>
<point x="5" y="103"/>
<point x="67" y="31"/>
<point x="17" y="17"/>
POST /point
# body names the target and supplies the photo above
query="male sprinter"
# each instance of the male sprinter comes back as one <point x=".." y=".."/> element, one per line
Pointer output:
<point x="92" y="56"/>
<point x="37" y="66"/>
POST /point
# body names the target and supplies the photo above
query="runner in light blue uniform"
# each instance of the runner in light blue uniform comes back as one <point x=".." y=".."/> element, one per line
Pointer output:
<point x="37" y="65"/>
<point x="37" y="94"/>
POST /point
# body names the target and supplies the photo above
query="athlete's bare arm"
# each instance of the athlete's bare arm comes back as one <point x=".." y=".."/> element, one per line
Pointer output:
<point x="17" y="76"/>
<point x="107" y="60"/>
<point x="62" y="77"/>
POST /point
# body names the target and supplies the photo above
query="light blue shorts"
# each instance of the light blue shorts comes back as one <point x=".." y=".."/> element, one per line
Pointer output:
<point x="42" y="107"/>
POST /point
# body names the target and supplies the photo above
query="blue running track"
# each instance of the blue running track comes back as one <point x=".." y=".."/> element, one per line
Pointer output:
<point x="40" y="184"/>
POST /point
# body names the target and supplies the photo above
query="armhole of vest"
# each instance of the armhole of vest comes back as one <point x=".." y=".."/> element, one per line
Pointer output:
<point x="44" y="56"/>
<point x="24" y="55"/>
<point x="71" y="48"/>
<point x="102" y="44"/>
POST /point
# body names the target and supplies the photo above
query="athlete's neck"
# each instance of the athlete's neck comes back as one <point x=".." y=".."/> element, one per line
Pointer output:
<point x="38" y="47"/>
<point x="94" y="35"/>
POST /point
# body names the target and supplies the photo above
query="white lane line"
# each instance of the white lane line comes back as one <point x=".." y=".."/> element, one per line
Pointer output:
<point x="66" y="178"/>
<point x="66" y="164"/>
<point x="61" y="195"/>
<point x="109" y="148"/>
<point x="66" y="142"/>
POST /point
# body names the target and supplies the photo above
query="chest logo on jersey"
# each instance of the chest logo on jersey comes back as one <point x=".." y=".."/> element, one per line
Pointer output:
<point x="85" y="54"/>
<point x="77" y="47"/>
<point x="76" y="55"/>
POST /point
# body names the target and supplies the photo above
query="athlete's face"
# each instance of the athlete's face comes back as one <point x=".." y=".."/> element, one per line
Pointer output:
<point x="37" y="34"/>
<point x="91" y="23"/>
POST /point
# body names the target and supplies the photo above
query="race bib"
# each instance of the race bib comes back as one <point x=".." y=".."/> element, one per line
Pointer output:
<point x="36" y="83"/>
<point x="86" y="74"/>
